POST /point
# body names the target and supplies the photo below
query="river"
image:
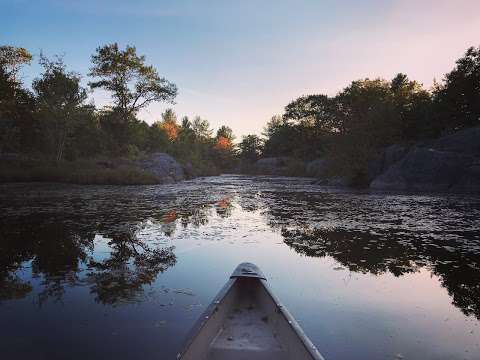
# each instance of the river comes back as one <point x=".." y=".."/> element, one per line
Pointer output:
<point x="95" y="272"/>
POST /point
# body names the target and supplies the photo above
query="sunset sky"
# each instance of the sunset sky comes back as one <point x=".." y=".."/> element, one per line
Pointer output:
<point x="240" y="62"/>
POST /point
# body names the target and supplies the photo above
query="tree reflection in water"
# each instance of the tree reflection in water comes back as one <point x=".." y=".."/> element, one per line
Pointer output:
<point x="131" y="265"/>
<point x="453" y="255"/>
<point x="364" y="234"/>
<point x="62" y="256"/>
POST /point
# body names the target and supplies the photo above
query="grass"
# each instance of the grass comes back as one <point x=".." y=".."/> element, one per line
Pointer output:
<point x="75" y="172"/>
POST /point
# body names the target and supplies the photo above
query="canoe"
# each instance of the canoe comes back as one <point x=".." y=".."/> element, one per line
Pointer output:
<point x="246" y="321"/>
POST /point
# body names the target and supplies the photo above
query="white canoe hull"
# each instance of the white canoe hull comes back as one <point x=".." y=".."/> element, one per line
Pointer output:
<point x="247" y="322"/>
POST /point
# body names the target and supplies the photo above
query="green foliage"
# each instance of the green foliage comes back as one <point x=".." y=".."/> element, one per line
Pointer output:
<point x="250" y="147"/>
<point x="457" y="100"/>
<point x="133" y="84"/>
<point x="413" y="104"/>
<point x="201" y="128"/>
<point x="368" y="115"/>
<point x="12" y="58"/>
<point x="225" y="132"/>
<point x="55" y="122"/>
<point x="18" y="129"/>
<point x="59" y="101"/>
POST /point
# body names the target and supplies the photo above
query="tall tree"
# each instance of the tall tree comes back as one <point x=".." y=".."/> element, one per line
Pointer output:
<point x="413" y="105"/>
<point x="458" y="99"/>
<point x="133" y="84"/>
<point x="317" y="111"/>
<point x="250" y="147"/>
<point x="280" y="137"/>
<point x="201" y="128"/>
<point x="169" y="124"/>
<point x="59" y="98"/>
<point x="17" y="126"/>
<point x="225" y="132"/>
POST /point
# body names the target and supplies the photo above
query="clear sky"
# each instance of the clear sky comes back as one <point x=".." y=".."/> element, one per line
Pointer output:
<point x="240" y="62"/>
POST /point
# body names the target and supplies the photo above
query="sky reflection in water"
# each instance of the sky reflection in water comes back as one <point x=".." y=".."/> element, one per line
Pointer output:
<point x="124" y="272"/>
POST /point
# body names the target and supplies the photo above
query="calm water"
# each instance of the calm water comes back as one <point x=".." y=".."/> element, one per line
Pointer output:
<point x="123" y="272"/>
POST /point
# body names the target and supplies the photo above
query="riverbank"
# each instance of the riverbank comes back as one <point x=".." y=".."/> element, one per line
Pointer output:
<point x="156" y="168"/>
<point x="450" y="163"/>
<point x="75" y="172"/>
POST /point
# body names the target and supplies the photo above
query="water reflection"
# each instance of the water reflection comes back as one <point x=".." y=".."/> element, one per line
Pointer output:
<point x="394" y="234"/>
<point x="62" y="254"/>
<point x="114" y="241"/>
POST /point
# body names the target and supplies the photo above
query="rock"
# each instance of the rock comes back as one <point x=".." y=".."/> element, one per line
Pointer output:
<point x="393" y="153"/>
<point x="165" y="167"/>
<point x="450" y="163"/>
<point x="389" y="156"/>
<point x="423" y="169"/>
<point x="465" y="141"/>
<point x="470" y="181"/>
<point x="190" y="171"/>
<point x="318" y="167"/>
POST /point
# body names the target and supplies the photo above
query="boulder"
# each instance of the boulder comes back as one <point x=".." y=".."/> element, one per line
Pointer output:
<point x="386" y="158"/>
<point x="450" y="163"/>
<point x="465" y="141"/>
<point x="423" y="169"/>
<point x="165" y="167"/>
<point x="318" y="167"/>
<point x="470" y="180"/>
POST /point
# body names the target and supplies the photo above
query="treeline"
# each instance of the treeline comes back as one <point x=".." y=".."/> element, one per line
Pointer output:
<point x="53" y="120"/>
<point x="368" y="115"/>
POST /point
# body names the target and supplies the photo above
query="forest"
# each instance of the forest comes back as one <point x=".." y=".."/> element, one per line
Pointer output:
<point x="51" y="122"/>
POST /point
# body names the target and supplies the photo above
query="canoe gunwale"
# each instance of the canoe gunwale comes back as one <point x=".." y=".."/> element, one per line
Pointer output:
<point x="307" y="343"/>
<point x="203" y="319"/>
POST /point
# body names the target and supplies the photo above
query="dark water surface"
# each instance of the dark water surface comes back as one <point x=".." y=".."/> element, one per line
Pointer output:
<point x="92" y="272"/>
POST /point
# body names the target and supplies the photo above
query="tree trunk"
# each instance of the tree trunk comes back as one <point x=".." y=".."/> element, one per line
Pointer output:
<point x="61" y="145"/>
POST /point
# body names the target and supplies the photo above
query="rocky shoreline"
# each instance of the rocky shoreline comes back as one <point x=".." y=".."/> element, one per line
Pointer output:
<point x="448" y="164"/>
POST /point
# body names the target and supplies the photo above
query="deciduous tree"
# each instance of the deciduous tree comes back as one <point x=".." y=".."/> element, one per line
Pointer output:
<point x="133" y="84"/>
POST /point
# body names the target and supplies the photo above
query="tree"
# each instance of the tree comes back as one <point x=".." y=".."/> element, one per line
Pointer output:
<point x="316" y="111"/>
<point x="169" y="124"/>
<point x="225" y="132"/>
<point x="133" y="84"/>
<point x="12" y="58"/>
<point x="59" y="99"/>
<point x="413" y="105"/>
<point x="280" y="137"/>
<point x="250" y="147"/>
<point x="370" y="121"/>
<point x="224" y="150"/>
<point x="17" y="127"/>
<point x="223" y="144"/>
<point x="186" y="124"/>
<point x="201" y="128"/>
<point x="157" y="139"/>
<point x="457" y="101"/>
